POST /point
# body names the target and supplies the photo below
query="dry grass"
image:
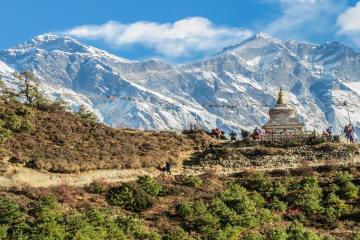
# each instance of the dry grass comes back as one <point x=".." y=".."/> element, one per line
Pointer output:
<point x="64" y="143"/>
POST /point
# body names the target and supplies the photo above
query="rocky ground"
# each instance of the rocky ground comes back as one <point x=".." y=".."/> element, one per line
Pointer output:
<point x="240" y="155"/>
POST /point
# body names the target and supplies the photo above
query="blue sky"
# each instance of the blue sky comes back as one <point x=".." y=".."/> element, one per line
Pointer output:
<point x="179" y="30"/>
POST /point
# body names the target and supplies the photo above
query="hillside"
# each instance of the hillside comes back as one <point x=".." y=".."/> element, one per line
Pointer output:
<point x="59" y="141"/>
<point x="64" y="176"/>
<point x="230" y="90"/>
<point x="316" y="205"/>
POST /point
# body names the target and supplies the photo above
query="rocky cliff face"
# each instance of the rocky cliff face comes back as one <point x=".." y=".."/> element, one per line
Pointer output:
<point x="231" y="90"/>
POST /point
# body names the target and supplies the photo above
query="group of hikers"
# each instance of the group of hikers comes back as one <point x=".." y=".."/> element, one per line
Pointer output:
<point x="218" y="134"/>
<point x="348" y="131"/>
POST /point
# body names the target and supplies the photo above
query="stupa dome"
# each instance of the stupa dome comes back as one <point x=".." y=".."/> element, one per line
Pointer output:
<point x="283" y="117"/>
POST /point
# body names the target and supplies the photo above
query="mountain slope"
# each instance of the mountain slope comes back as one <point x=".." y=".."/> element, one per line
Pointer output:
<point x="155" y="95"/>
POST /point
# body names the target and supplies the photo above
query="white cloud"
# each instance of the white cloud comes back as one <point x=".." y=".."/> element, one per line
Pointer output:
<point x="186" y="37"/>
<point x="349" y="23"/>
<point x="302" y="19"/>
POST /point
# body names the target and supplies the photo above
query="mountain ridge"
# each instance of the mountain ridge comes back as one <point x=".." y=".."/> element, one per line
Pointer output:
<point x="153" y="94"/>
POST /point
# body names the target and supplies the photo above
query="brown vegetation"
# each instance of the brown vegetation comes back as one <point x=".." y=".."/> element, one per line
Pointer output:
<point x="62" y="142"/>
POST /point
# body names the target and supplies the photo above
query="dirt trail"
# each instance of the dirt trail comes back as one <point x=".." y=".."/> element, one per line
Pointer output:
<point x="20" y="176"/>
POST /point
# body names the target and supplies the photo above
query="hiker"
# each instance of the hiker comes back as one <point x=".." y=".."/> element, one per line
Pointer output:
<point x="168" y="168"/>
<point x="351" y="137"/>
<point x="217" y="133"/>
<point x="256" y="133"/>
<point x="329" y="131"/>
<point x="346" y="129"/>
<point x="244" y="134"/>
<point x="233" y="136"/>
<point x="325" y="134"/>
<point x="350" y="134"/>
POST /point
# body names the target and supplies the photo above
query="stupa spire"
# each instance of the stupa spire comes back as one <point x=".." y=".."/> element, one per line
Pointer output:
<point x="281" y="98"/>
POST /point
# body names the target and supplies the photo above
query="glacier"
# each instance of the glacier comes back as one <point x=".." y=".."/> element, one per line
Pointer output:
<point x="231" y="90"/>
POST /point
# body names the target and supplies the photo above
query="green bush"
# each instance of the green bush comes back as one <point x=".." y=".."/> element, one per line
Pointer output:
<point x="226" y="215"/>
<point x="86" y="115"/>
<point x="309" y="197"/>
<point x="278" y="190"/>
<point x="236" y="197"/>
<point x="25" y="111"/>
<point x="227" y="233"/>
<point x="21" y="231"/>
<point x="277" y="234"/>
<point x="28" y="127"/>
<point x="133" y="227"/>
<point x="97" y="187"/>
<point x="94" y="224"/>
<point x="277" y="205"/>
<point x="347" y="189"/>
<point x="3" y="231"/>
<point x="5" y="134"/>
<point x="9" y="211"/>
<point x="129" y="196"/>
<point x="356" y="235"/>
<point x="12" y="121"/>
<point x="177" y="234"/>
<point x="335" y="208"/>
<point x="258" y="199"/>
<point x="151" y="186"/>
<point x="253" y="236"/>
<point x="192" y="181"/>
<point x="296" y="231"/>
<point x="197" y="216"/>
<point x="258" y="181"/>
<point x="49" y="219"/>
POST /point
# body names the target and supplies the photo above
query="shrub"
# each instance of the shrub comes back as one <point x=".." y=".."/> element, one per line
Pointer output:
<point x="21" y="231"/>
<point x="81" y="228"/>
<point x="86" y="114"/>
<point x="309" y="197"/>
<point x="296" y="231"/>
<point x="264" y="215"/>
<point x="257" y="199"/>
<point x="226" y="215"/>
<point x="12" y="121"/>
<point x="26" y="126"/>
<point x="236" y="197"/>
<point x="192" y="181"/>
<point x="197" y="217"/>
<point x="277" y="205"/>
<point x="3" y="231"/>
<point x="335" y="208"/>
<point x="49" y="219"/>
<point x="254" y="236"/>
<point x="59" y="105"/>
<point x="227" y="233"/>
<point x="5" y="134"/>
<point x="185" y="211"/>
<point x="9" y="211"/>
<point x="177" y="234"/>
<point x="97" y="187"/>
<point x="356" y="235"/>
<point x="277" y="234"/>
<point x="347" y="189"/>
<point x="150" y="186"/>
<point x="24" y="111"/>
<point x="133" y="227"/>
<point x="278" y="189"/>
<point x="258" y="181"/>
<point x="129" y="196"/>
<point x="329" y="238"/>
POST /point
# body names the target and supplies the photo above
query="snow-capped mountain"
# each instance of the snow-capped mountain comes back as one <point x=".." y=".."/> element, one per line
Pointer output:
<point x="231" y="90"/>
